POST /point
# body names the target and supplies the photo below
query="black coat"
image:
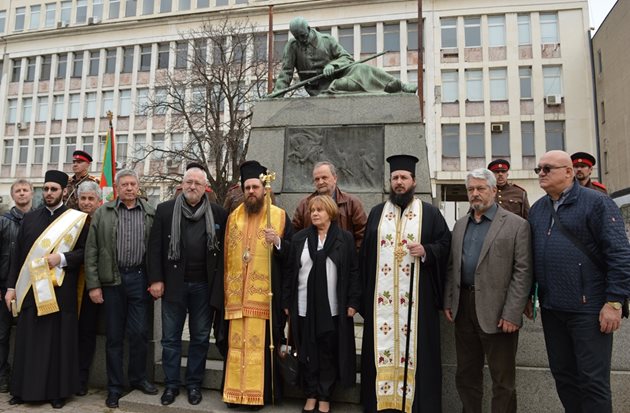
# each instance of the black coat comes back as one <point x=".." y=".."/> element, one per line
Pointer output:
<point x="160" y="268"/>
<point x="348" y="295"/>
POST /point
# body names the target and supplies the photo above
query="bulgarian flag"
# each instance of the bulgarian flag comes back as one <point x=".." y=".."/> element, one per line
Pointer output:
<point x="108" y="175"/>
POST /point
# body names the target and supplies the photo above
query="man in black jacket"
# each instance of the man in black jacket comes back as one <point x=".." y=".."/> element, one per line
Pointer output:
<point x="186" y="270"/>
<point x="22" y="195"/>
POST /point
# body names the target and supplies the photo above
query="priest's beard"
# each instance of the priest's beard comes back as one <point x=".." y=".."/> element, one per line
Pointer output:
<point x="254" y="205"/>
<point x="404" y="199"/>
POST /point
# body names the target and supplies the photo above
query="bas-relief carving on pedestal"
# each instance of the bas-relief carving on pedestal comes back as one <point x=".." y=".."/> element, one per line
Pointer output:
<point x="356" y="152"/>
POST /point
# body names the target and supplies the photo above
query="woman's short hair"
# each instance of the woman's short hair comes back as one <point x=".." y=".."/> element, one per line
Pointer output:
<point x="327" y="203"/>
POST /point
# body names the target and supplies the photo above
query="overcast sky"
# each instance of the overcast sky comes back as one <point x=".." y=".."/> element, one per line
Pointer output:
<point x="599" y="9"/>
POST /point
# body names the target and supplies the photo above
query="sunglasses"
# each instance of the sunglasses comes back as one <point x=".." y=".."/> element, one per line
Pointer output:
<point x="546" y="169"/>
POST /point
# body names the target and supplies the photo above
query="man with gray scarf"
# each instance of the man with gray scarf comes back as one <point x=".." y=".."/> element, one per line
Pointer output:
<point x="186" y="270"/>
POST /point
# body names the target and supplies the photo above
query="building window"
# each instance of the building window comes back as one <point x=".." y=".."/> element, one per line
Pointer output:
<point x="35" y="17"/>
<point x="142" y="101"/>
<point x="554" y="135"/>
<point x="74" y="108"/>
<point x="107" y="102"/>
<point x="127" y="63"/>
<point x="166" y="6"/>
<point x="95" y="58"/>
<point x="16" y="69"/>
<point x="58" y="102"/>
<point x="62" y="64"/>
<point x="260" y="46"/>
<point x="163" y="52"/>
<point x="280" y="40"/>
<point x="45" y="67"/>
<point x="222" y="2"/>
<point x="549" y="28"/>
<point x="30" y="69"/>
<point x="147" y="7"/>
<point x="200" y="49"/>
<point x="501" y="142"/>
<point x="23" y="154"/>
<point x="160" y="102"/>
<point x="124" y="103"/>
<point x="472" y="31"/>
<point x="391" y="37"/>
<point x="449" y="32"/>
<point x="3" y="20"/>
<point x="20" y="13"/>
<point x="203" y="3"/>
<point x="177" y="142"/>
<point x="27" y="109"/>
<point x="7" y="156"/>
<point x="51" y="11"/>
<point x="157" y="142"/>
<point x="54" y="150"/>
<point x="552" y="80"/>
<point x="88" y="144"/>
<point x="498" y="84"/>
<point x="71" y="146"/>
<point x="496" y="31"/>
<point x="12" y="112"/>
<point x="474" y="85"/>
<point x="121" y="148"/>
<point x="527" y="139"/>
<point x="81" y="10"/>
<point x="475" y="141"/>
<point x="184" y="5"/>
<point x="114" y="9"/>
<point x="42" y="108"/>
<point x="368" y="39"/>
<point x="90" y="105"/>
<point x="97" y="10"/>
<point x="130" y="7"/>
<point x="412" y="36"/>
<point x="110" y="61"/>
<point x="524" y="30"/>
<point x="38" y="156"/>
<point x="145" y="58"/>
<point x="450" y="141"/>
<point x="139" y="146"/>
<point x="525" y="78"/>
<point x="66" y="11"/>
<point x="450" y="86"/>
<point x="181" y="55"/>
<point x="77" y="64"/>
<point x="346" y="38"/>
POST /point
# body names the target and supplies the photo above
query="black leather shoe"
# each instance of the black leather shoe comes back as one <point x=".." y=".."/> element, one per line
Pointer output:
<point x="145" y="387"/>
<point x="232" y="405"/>
<point x="169" y="396"/>
<point x="57" y="403"/>
<point x="112" y="400"/>
<point x="15" y="400"/>
<point x="194" y="396"/>
<point x="83" y="390"/>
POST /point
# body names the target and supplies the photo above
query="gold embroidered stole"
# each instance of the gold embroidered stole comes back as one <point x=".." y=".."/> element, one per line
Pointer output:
<point x="59" y="237"/>
<point x="247" y="284"/>
<point x="391" y="301"/>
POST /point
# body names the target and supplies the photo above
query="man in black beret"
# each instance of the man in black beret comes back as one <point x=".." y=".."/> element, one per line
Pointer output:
<point x="49" y="250"/>
<point x="81" y="162"/>
<point x="400" y="233"/>
<point x="583" y="164"/>
<point x="509" y="195"/>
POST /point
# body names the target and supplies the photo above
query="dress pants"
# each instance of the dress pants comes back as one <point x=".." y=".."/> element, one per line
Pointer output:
<point x="471" y="345"/>
<point x="126" y="308"/>
<point x="579" y="358"/>
<point x="6" y="320"/>
<point x="196" y="302"/>
<point x="318" y="379"/>
<point x="88" y="323"/>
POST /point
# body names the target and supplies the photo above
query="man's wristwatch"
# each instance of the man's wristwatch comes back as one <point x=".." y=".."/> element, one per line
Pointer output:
<point x="614" y="304"/>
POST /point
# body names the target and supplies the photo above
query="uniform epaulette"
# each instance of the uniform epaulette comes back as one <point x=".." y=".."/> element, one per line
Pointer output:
<point x="599" y="185"/>
<point x="519" y="187"/>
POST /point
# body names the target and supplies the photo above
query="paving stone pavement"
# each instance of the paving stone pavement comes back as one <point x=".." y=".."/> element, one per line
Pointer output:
<point x="136" y="402"/>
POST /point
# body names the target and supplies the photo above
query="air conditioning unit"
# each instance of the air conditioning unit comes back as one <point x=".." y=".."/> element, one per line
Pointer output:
<point x="22" y="125"/>
<point x="90" y="21"/>
<point x="496" y="128"/>
<point x="553" y="100"/>
<point x="62" y="24"/>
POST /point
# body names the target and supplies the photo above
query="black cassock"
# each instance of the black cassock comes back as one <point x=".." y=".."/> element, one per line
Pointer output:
<point x="436" y="239"/>
<point x="46" y="363"/>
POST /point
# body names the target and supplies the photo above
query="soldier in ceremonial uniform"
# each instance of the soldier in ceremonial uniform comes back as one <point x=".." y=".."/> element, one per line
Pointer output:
<point x="509" y="196"/>
<point x="81" y="161"/>
<point x="583" y="164"/>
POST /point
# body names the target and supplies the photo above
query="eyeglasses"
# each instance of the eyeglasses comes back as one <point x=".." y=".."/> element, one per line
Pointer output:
<point x="546" y="169"/>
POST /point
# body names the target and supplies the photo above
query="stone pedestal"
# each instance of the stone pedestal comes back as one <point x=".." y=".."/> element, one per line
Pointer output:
<point x="354" y="132"/>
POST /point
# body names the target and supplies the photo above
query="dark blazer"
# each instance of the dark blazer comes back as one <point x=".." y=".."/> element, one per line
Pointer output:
<point x="348" y="295"/>
<point x="504" y="273"/>
<point x="160" y="268"/>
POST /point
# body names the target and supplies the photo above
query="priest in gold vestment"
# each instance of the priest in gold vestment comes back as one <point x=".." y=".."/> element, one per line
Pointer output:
<point x="253" y="236"/>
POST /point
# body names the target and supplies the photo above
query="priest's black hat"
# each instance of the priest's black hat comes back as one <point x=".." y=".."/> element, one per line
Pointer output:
<point x="251" y="169"/>
<point x="402" y="163"/>
<point x="82" y="156"/>
<point x="58" y="177"/>
<point x="195" y="165"/>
